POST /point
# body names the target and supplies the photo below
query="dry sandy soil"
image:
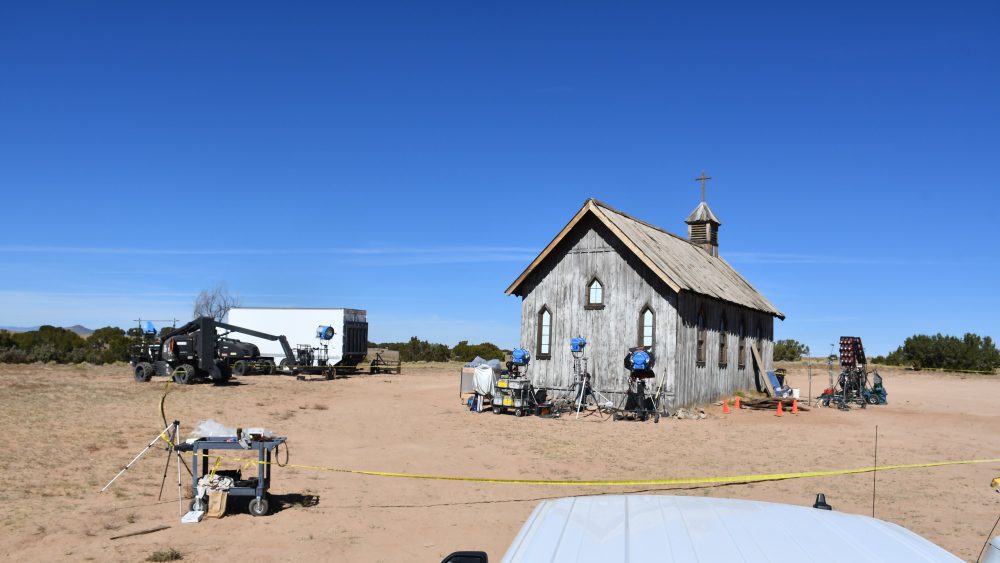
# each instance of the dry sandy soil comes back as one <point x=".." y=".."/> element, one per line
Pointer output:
<point x="68" y="429"/>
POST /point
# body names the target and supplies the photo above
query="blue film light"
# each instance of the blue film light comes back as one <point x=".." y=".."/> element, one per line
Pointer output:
<point x="577" y="344"/>
<point x="521" y="356"/>
<point x="640" y="359"/>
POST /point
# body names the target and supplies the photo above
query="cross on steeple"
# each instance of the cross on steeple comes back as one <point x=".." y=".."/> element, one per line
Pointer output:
<point x="703" y="179"/>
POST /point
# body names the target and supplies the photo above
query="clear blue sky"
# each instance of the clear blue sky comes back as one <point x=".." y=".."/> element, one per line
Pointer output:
<point x="411" y="158"/>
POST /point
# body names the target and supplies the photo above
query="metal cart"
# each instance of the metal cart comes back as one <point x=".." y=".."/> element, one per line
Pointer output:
<point x="252" y="487"/>
<point x="515" y="393"/>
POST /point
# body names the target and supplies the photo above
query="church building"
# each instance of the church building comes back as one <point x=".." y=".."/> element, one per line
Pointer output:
<point x="620" y="283"/>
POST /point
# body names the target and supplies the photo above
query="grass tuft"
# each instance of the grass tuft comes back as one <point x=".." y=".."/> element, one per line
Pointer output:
<point x="165" y="555"/>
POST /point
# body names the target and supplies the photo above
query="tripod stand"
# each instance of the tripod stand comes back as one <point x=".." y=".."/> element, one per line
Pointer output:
<point x="175" y="433"/>
<point x="586" y="395"/>
<point x="636" y="402"/>
<point x="583" y="392"/>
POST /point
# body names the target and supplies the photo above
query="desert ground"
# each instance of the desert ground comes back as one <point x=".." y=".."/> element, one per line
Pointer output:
<point x="66" y="430"/>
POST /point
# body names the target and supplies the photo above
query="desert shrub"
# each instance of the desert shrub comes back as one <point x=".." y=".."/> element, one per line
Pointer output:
<point x="789" y="350"/>
<point x="45" y="352"/>
<point x="78" y="355"/>
<point x="13" y="356"/>
<point x="54" y="340"/>
<point x="54" y="344"/>
<point x="6" y="340"/>
<point x="416" y="350"/>
<point x="108" y="345"/>
<point x="165" y="555"/>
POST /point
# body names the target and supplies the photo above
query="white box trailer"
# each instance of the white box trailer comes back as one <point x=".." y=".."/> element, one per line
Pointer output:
<point x="347" y="348"/>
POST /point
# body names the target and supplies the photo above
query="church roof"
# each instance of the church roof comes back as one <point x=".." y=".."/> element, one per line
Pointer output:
<point x="702" y="214"/>
<point x="681" y="265"/>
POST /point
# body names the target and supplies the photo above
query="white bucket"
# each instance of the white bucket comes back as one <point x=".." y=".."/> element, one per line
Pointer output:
<point x="795" y="393"/>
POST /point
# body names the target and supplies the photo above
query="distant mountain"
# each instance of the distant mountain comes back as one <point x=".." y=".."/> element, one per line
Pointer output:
<point x="79" y="329"/>
<point x="18" y="328"/>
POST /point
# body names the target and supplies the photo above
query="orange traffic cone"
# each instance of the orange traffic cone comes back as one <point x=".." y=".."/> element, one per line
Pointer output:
<point x="725" y="406"/>
<point x="795" y="406"/>
<point x="736" y="402"/>
<point x="778" y="413"/>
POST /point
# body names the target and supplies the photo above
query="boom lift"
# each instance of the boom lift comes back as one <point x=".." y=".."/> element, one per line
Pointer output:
<point x="197" y="350"/>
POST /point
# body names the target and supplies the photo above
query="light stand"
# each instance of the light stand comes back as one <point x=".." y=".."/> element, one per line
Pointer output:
<point x="584" y="392"/>
<point x="639" y="362"/>
<point x="161" y="436"/>
<point x="175" y="432"/>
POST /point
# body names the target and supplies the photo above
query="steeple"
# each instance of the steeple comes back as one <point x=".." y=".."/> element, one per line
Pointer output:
<point x="703" y="225"/>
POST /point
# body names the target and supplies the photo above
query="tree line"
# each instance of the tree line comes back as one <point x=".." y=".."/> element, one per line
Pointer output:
<point x="112" y="344"/>
<point x="969" y="353"/>
<point x="921" y="351"/>
<point x="416" y="350"/>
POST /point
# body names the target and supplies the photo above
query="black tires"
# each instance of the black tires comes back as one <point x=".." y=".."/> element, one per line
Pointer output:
<point x="286" y="366"/>
<point x="497" y="409"/>
<point x="258" y="507"/>
<point x="872" y="399"/>
<point x="184" y="374"/>
<point x="267" y="367"/>
<point x="143" y="372"/>
<point x="240" y="368"/>
<point x="220" y="373"/>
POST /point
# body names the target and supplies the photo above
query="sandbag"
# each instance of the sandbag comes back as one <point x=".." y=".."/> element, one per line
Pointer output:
<point x="216" y="504"/>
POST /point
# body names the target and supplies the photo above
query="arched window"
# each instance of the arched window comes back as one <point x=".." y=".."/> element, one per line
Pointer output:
<point x="701" y="338"/>
<point x="595" y="294"/>
<point x="723" y="343"/>
<point x="742" y="359"/>
<point x="647" y="327"/>
<point x="544" y="334"/>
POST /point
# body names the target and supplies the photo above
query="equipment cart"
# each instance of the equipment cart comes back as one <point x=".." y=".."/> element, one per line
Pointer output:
<point x="515" y="393"/>
<point x="252" y="487"/>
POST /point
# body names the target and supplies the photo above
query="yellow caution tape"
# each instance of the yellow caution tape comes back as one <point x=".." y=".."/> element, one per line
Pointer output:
<point x="626" y="482"/>
<point x="218" y="462"/>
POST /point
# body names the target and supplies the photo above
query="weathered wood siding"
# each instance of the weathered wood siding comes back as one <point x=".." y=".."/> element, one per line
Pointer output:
<point x="560" y="284"/>
<point x="710" y="381"/>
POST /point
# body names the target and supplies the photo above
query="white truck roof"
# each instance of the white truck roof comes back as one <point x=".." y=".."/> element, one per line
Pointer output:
<point x="604" y="529"/>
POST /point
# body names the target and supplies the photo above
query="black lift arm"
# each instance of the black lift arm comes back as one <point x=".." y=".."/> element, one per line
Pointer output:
<point x="207" y="339"/>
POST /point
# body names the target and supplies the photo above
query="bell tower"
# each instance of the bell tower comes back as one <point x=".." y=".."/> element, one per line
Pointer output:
<point x="703" y="225"/>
